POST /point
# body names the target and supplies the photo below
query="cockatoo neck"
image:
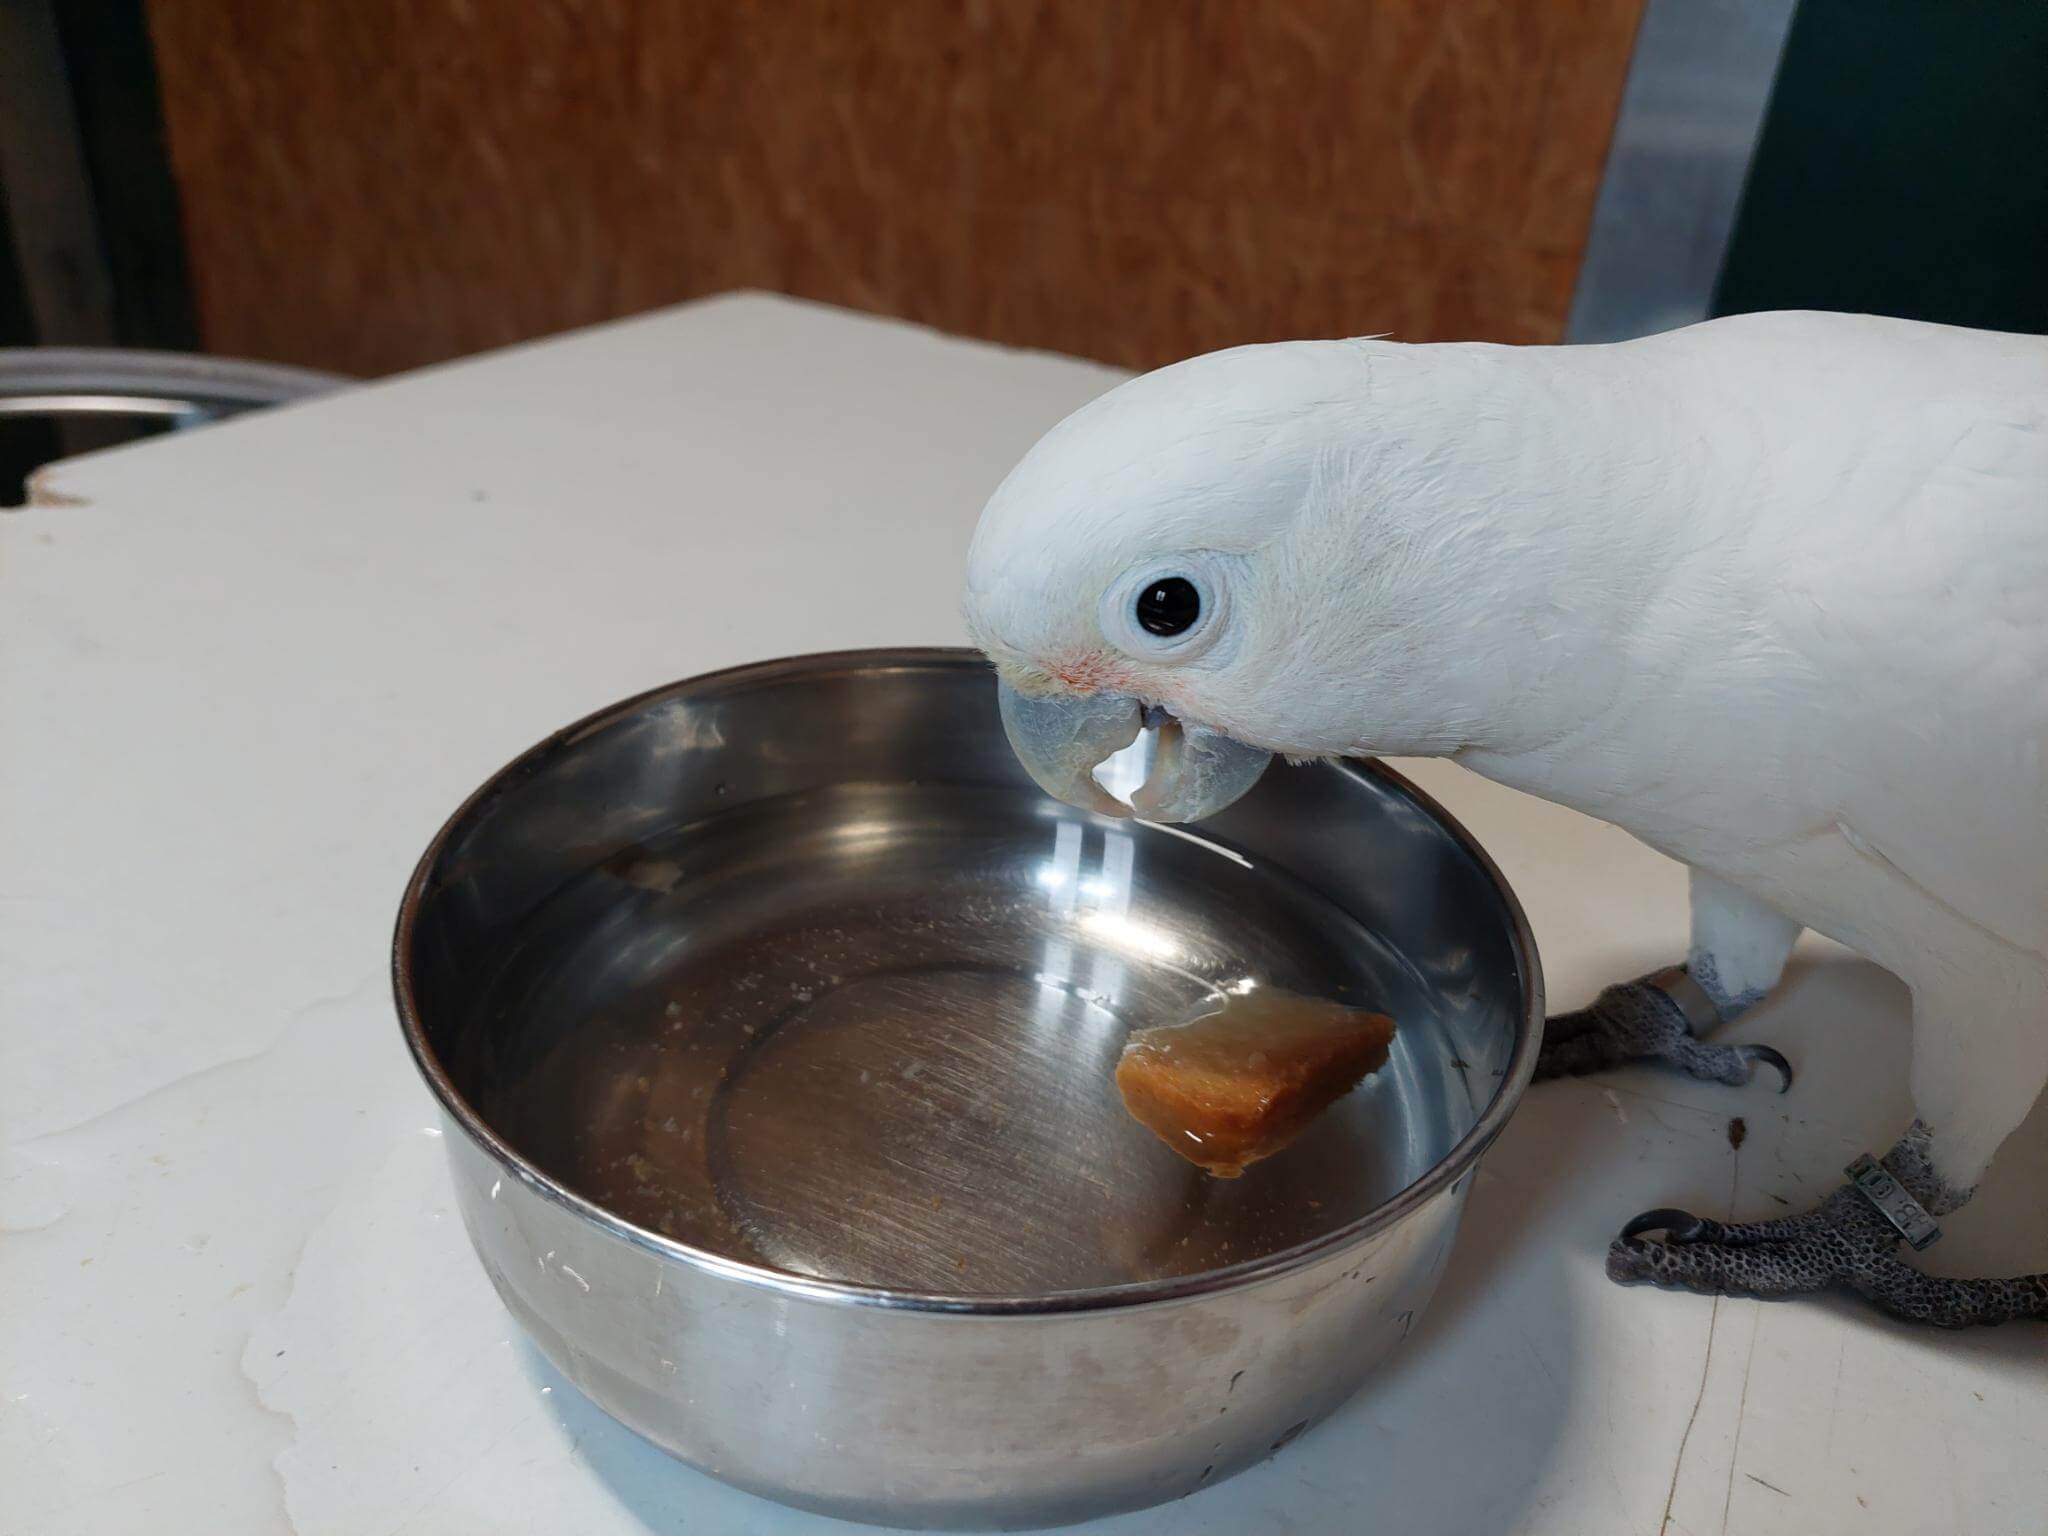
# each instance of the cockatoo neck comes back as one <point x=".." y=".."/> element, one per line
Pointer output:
<point x="1503" y="524"/>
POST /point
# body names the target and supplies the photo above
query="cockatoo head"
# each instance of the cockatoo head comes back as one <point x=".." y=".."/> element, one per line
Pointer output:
<point x="1230" y="549"/>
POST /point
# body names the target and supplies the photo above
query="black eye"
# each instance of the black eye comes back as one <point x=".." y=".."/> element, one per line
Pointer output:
<point x="1169" y="606"/>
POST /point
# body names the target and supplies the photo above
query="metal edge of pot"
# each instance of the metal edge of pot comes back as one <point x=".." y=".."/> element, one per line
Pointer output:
<point x="1444" y="1174"/>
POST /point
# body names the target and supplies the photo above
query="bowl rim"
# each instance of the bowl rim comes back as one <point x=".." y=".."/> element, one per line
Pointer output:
<point x="1445" y="1173"/>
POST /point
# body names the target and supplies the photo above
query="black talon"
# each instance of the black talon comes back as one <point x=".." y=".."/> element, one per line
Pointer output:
<point x="1763" y="1053"/>
<point x="1637" y="1021"/>
<point x="1845" y="1242"/>
<point x="1678" y="1226"/>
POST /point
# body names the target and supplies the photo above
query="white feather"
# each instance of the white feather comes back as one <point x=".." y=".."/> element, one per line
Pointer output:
<point x="1770" y="592"/>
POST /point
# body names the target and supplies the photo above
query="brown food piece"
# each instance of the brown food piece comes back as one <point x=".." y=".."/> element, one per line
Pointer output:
<point x="1236" y="1085"/>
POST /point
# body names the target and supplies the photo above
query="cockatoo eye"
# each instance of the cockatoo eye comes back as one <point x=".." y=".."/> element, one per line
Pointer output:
<point x="1169" y="605"/>
<point x="1169" y="610"/>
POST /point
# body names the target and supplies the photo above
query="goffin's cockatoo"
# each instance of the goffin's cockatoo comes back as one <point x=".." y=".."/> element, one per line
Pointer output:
<point x="1769" y="592"/>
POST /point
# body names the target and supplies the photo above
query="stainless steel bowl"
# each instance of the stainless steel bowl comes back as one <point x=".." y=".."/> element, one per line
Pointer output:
<point x="773" y="1015"/>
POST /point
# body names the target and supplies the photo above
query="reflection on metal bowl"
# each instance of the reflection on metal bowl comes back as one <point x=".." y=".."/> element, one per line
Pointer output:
<point x="775" y="1015"/>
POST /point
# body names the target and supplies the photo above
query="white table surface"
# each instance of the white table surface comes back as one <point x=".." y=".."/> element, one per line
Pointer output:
<point x="244" y="674"/>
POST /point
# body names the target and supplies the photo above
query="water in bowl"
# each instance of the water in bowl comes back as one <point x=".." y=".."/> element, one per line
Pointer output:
<point x="870" y="1035"/>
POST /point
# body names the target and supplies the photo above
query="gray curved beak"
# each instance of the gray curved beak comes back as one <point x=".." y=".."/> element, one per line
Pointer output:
<point x="1192" y="772"/>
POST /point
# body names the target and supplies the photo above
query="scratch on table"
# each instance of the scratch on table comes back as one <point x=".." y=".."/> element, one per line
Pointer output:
<point x="1762" y="1482"/>
<point x="1607" y="1397"/>
<point x="1955" y="1484"/>
<point x="1706" y="1364"/>
<point x="1741" y="1412"/>
<point x="409" y="1516"/>
<point x="299" y="1014"/>
<point x="1709" y="1117"/>
<point x="1835" y="1397"/>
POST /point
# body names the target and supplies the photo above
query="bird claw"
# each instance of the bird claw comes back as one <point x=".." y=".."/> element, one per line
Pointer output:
<point x="1784" y="1257"/>
<point x="1678" y="1226"/>
<point x="1639" y="1022"/>
<point x="1770" y="1057"/>
<point x="1844" y="1242"/>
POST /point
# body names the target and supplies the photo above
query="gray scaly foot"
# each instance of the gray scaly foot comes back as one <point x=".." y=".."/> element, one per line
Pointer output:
<point x="1847" y="1241"/>
<point x="1655" y="1019"/>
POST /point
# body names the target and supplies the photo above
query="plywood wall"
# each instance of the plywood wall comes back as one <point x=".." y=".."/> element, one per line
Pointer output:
<point x="371" y="184"/>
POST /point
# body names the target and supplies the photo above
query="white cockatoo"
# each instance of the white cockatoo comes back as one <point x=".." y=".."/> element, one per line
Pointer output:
<point x="1769" y="592"/>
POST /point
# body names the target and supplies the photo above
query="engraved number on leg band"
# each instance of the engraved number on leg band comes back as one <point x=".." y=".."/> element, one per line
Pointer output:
<point x="1893" y="1201"/>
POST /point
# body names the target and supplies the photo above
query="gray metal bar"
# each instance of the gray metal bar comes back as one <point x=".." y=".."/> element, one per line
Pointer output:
<point x="97" y="405"/>
<point x="49" y="186"/>
<point x="89" y="391"/>
<point x="219" y="385"/>
<point x="1698" y="86"/>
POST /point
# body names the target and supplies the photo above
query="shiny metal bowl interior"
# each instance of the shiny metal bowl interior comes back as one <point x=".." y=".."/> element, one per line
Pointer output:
<point x="789" y="978"/>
